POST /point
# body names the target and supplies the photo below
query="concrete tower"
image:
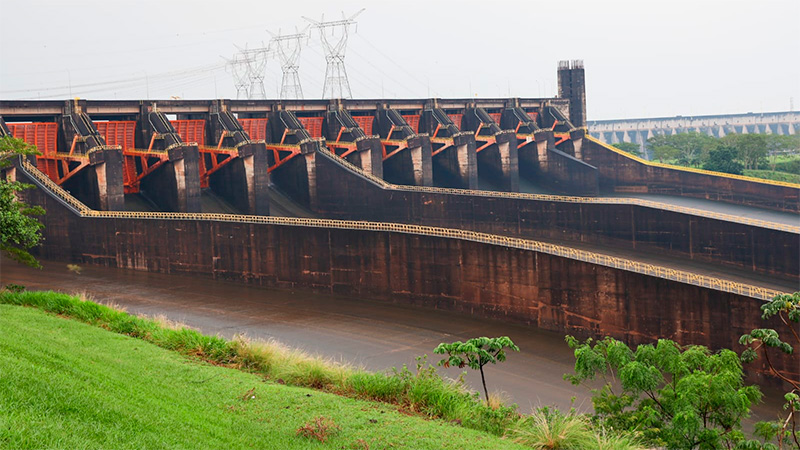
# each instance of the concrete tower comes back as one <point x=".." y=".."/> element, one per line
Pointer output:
<point x="572" y="85"/>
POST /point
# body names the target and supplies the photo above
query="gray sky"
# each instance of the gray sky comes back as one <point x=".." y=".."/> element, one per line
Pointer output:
<point x="642" y="58"/>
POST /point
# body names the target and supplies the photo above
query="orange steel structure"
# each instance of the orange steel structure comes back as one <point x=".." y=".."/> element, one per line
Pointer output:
<point x="255" y="128"/>
<point x="413" y="121"/>
<point x="60" y="167"/>
<point x="313" y="125"/>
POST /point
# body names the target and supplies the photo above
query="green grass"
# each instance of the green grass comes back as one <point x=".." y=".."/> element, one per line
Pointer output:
<point x="773" y="175"/>
<point x="550" y="429"/>
<point x="421" y="391"/>
<point x="66" y="384"/>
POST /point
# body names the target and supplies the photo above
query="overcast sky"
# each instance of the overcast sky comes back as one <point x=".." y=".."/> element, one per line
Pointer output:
<point x="643" y="58"/>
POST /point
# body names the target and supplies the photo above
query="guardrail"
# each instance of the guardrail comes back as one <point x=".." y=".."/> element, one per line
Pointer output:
<point x="474" y="236"/>
<point x="690" y="169"/>
<point x="564" y="198"/>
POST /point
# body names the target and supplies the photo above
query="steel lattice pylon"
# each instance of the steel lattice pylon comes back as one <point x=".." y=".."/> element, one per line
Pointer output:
<point x="336" y="84"/>
<point x="288" y="48"/>
<point x="248" y="67"/>
<point x="239" y="69"/>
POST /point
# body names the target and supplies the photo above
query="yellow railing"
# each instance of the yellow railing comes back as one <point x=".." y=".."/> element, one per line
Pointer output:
<point x="474" y="236"/>
<point x="690" y="169"/>
<point x="565" y="198"/>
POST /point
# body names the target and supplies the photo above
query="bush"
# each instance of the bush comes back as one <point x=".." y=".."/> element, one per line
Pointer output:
<point x="678" y="397"/>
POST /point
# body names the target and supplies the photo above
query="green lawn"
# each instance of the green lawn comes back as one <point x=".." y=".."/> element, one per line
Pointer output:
<point x="65" y="384"/>
<point x="773" y="175"/>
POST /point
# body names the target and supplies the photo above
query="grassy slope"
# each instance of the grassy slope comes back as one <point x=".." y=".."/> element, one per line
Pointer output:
<point x="64" y="384"/>
<point x="773" y="175"/>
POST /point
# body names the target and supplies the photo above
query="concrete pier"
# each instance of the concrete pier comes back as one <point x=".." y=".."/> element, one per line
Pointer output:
<point x="500" y="160"/>
<point x="407" y="156"/>
<point x="175" y="185"/>
<point x="497" y="149"/>
<point x="99" y="184"/>
<point x="454" y="160"/>
<point x="345" y="138"/>
<point x="297" y="174"/>
<point x="244" y="180"/>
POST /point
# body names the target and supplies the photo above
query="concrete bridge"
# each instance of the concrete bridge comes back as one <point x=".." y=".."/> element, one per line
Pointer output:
<point x="385" y="191"/>
<point x="638" y="131"/>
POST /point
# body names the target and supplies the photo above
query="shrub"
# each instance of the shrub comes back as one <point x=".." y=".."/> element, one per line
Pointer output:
<point x="679" y="397"/>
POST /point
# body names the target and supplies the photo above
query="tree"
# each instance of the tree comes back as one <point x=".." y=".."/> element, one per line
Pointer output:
<point x="476" y="353"/>
<point x="759" y="341"/>
<point x="676" y="397"/>
<point x="722" y="159"/>
<point x="665" y="153"/>
<point x="629" y="147"/>
<point x="778" y="145"/>
<point x="751" y="148"/>
<point x="19" y="229"/>
<point x="688" y="148"/>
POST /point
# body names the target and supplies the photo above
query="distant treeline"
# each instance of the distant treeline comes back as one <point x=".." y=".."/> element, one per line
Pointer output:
<point x="734" y="153"/>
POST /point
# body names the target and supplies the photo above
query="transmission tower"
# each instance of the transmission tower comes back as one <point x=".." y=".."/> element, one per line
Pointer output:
<point x="239" y="69"/>
<point x="336" y="83"/>
<point x="255" y="60"/>
<point x="288" y="48"/>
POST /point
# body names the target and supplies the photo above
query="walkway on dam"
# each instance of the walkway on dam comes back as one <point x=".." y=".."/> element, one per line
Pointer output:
<point x="750" y="212"/>
<point x="720" y="207"/>
<point x="376" y="335"/>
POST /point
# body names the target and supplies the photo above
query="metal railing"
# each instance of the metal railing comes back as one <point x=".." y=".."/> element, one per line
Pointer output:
<point x="690" y="169"/>
<point x="473" y="236"/>
<point x="565" y="198"/>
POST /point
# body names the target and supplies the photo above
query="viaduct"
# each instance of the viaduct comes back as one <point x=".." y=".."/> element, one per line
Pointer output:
<point x="383" y="199"/>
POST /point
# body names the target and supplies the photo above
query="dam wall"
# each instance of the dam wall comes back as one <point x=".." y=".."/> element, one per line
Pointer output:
<point x="342" y="192"/>
<point x="621" y="172"/>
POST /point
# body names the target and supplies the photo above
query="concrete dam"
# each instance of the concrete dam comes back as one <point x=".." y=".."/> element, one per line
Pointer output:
<point x="503" y="208"/>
